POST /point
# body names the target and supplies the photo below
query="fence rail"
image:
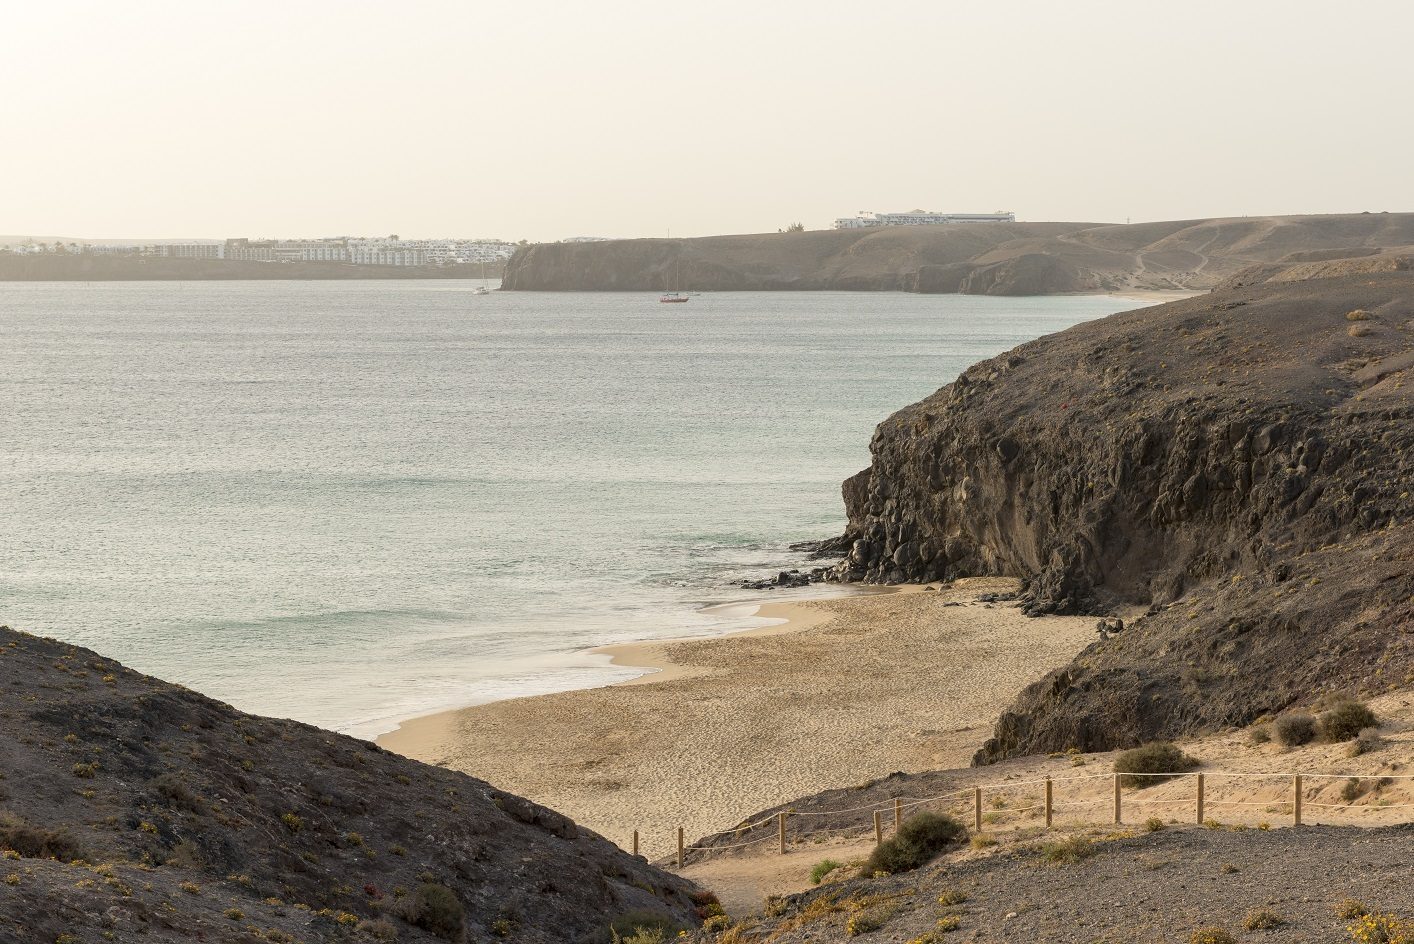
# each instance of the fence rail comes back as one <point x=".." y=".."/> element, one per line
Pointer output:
<point x="1292" y="802"/>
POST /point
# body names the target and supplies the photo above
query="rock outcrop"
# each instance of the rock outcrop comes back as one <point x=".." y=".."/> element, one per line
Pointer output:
<point x="135" y="810"/>
<point x="979" y="259"/>
<point x="1239" y="466"/>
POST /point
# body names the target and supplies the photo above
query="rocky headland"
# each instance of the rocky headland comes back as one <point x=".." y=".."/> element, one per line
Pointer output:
<point x="136" y="810"/>
<point x="976" y="258"/>
<point x="1231" y="474"/>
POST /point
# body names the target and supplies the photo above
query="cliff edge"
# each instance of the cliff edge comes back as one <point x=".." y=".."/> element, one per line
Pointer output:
<point x="1237" y="467"/>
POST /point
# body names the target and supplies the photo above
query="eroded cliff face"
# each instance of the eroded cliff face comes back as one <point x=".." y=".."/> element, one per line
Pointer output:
<point x="1199" y="459"/>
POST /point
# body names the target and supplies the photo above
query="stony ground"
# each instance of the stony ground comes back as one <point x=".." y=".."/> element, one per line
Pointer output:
<point x="1154" y="887"/>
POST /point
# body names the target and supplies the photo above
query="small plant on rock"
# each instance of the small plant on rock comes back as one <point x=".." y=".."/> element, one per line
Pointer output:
<point x="1350" y="908"/>
<point x="1067" y="850"/>
<point x="822" y="868"/>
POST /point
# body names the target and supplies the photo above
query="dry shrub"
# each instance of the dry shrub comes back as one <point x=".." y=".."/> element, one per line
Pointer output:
<point x="1359" y="330"/>
<point x="1346" y="719"/>
<point x="1151" y="764"/>
<point x="1358" y="314"/>
<point x="1294" y="729"/>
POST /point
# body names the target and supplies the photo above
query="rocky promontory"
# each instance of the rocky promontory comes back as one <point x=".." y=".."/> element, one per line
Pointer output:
<point x="1235" y="470"/>
<point x="135" y="810"/>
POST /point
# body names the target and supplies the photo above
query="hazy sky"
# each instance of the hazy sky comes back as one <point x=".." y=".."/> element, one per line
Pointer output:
<point x="540" y="120"/>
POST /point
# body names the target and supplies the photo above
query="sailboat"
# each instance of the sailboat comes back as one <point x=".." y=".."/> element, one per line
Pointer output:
<point x="672" y="298"/>
<point x="482" y="289"/>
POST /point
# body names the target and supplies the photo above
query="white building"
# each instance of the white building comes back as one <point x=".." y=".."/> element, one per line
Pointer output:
<point x="188" y="250"/>
<point x="920" y="218"/>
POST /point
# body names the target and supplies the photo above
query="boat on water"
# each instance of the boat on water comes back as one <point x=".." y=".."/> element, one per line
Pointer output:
<point x="483" y="288"/>
<point x="672" y="297"/>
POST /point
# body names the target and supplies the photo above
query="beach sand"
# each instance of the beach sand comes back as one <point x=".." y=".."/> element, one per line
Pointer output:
<point x="847" y="690"/>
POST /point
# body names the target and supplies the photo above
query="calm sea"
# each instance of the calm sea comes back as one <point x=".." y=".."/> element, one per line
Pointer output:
<point x="352" y="502"/>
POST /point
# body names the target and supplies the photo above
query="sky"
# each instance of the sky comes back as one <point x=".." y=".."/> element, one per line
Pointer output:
<point x="539" y="120"/>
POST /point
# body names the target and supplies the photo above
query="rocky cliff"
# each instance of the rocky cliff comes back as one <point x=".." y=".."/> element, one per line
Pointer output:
<point x="980" y="259"/>
<point x="135" y="810"/>
<point x="1237" y="466"/>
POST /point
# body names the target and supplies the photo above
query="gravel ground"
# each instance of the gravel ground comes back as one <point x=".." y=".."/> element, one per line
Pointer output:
<point x="1155" y="887"/>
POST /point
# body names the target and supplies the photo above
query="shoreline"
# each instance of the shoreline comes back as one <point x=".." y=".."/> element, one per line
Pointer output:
<point x="845" y="690"/>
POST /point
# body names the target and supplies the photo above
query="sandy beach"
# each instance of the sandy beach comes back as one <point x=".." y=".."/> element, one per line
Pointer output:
<point x="846" y="690"/>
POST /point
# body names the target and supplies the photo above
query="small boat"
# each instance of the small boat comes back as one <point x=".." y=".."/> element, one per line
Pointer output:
<point x="482" y="289"/>
<point x="672" y="298"/>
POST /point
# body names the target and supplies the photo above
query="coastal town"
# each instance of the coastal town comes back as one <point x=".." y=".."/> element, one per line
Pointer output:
<point x="352" y="250"/>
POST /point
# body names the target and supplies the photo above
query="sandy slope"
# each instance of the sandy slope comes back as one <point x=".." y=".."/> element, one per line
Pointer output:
<point x="855" y="688"/>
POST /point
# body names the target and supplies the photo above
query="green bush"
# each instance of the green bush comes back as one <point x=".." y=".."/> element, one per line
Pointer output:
<point x="436" y="909"/>
<point x="919" y="840"/>
<point x="1160" y="757"/>
<point x="1345" y="720"/>
<point x="1294" y="729"/>
<point x="822" y="868"/>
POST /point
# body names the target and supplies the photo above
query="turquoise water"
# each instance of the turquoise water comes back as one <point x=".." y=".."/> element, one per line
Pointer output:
<point x="352" y="502"/>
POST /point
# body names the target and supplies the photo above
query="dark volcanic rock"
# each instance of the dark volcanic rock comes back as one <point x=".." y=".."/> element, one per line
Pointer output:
<point x="1239" y="463"/>
<point x="192" y="821"/>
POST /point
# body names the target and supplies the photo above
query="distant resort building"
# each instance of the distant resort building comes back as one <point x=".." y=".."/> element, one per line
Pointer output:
<point x="920" y="218"/>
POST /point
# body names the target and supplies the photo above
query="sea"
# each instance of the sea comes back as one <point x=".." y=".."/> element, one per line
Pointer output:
<point x="354" y="502"/>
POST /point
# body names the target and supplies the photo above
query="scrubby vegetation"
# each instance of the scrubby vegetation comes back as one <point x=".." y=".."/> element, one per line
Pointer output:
<point x="919" y="840"/>
<point x="1294" y="729"/>
<point x="436" y="909"/>
<point x="1263" y="919"/>
<point x="1345" y="720"/>
<point x="1381" y="929"/>
<point x="35" y="842"/>
<point x="1067" y="850"/>
<point x="822" y="868"/>
<point x="1145" y="766"/>
<point x="1367" y="740"/>
<point x="643" y="927"/>
<point x="1211" y="936"/>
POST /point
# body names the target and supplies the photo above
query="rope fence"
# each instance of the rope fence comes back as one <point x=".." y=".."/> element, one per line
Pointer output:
<point x="1291" y="802"/>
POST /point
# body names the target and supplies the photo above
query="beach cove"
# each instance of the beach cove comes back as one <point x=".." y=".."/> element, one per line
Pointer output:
<point x="846" y="690"/>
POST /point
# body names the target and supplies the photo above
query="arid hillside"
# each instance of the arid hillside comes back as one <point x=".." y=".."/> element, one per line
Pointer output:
<point x="977" y="258"/>
<point x="1236" y="469"/>
<point x="134" y="810"/>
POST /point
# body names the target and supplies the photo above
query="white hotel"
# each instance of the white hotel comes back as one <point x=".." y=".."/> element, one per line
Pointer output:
<point x="920" y="218"/>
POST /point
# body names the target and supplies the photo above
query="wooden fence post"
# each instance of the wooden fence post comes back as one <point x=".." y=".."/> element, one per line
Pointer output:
<point x="1296" y="800"/>
<point x="680" y="847"/>
<point x="1119" y="820"/>
<point x="1049" y="805"/>
<point x="781" y="824"/>
<point x="977" y="808"/>
<point x="898" y="814"/>
<point x="878" y="827"/>
<point x="1200" y="799"/>
<point x="635" y="842"/>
